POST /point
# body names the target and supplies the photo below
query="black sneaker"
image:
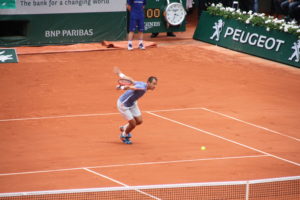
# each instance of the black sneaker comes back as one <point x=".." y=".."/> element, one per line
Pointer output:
<point x="153" y="35"/>
<point x="171" y="34"/>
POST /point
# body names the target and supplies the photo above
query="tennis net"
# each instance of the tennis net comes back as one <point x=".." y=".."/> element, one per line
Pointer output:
<point x="287" y="188"/>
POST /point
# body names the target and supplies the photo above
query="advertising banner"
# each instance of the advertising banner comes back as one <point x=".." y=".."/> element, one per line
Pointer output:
<point x="49" y="22"/>
<point x="273" y="45"/>
<point x="29" y="7"/>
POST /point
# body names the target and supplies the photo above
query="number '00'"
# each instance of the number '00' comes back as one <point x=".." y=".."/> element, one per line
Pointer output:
<point x="153" y="13"/>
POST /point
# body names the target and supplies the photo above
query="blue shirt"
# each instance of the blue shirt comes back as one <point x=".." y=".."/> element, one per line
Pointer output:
<point x="131" y="96"/>
<point x="137" y="9"/>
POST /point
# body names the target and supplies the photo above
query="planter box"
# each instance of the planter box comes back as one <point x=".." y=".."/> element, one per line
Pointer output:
<point x="255" y="40"/>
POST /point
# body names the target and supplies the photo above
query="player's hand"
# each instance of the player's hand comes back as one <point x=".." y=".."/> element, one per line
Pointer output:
<point x="121" y="87"/>
<point x="118" y="87"/>
<point x="117" y="70"/>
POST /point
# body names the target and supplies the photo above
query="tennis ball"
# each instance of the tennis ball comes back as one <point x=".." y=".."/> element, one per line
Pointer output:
<point x="203" y="148"/>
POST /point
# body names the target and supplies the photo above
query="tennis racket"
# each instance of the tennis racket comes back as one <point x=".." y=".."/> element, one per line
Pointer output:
<point x="125" y="82"/>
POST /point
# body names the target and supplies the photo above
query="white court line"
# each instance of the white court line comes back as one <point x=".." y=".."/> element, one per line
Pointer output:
<point x="215" y="135"/>
<point x="251" y="124"/>
<point x="164" y="110"/>
<point x="85" y="115"/>
<point x="133" y="164"/>
<point x="57" y="117"/>
<point x="118" y="182"/>
<point x="230" y="117"/>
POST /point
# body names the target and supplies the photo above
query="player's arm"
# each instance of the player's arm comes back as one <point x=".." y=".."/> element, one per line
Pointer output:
<point x="128" y="87"/>
<point x="121" y="75"/>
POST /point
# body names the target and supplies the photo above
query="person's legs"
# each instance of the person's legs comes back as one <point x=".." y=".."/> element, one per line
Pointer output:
<point x="285" y="7"/>
<point x="131" y="125"/>
<point x="137" y="118"/>
<point x="276" y="7"/>
<point x="130" y="36"/>
<point x="153" y="35"/>
<point x="132" y="27"/>
<point x="171" y="34"/>
<point x="141" y="32"/>
<point x="297" y="13"/>
<point x="141" y="43"/>
<point x="125" y="129"/>
<point x="134" y="117"/>
<point x="292" y="8"/>
<point x="255" y="5"/>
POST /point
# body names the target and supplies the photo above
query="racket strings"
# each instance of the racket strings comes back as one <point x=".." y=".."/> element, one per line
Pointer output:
<point x="125" y="82"/>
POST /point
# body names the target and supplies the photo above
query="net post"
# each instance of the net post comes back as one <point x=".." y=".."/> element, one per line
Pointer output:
<point x="247" y="190"/>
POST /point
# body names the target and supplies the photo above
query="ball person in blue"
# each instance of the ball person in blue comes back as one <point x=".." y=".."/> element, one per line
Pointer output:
<point x="128" y="106"/>
<point x="136" y="10"/>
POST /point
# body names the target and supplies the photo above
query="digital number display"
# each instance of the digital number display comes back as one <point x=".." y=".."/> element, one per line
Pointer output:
<point x="152" y="13"/>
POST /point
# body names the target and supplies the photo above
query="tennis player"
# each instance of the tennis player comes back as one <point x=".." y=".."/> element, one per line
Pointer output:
<point x="136" y="10"/>
<point x="128" y="106"/>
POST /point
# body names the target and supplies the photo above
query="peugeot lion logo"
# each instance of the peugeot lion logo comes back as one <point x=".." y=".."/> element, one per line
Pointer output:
<point x="296" y="54"/>
<point x="218" y="29"/>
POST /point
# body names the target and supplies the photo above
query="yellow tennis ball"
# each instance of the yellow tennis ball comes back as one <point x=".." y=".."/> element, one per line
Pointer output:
<point x="203" y="148"/>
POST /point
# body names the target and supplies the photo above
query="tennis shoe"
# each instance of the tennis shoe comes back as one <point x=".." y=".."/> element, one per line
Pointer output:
<point x="122" y="129"/>
<point x="125" y="138"/>
<point x="130" y="47"/>
<point x="128" y="142"/>
<point x="141" y="46"/>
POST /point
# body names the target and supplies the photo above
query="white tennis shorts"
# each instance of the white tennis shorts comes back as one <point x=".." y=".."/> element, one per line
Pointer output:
<point x="129" y="112"/>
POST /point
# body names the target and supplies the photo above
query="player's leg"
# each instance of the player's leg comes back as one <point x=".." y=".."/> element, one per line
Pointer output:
<point x="135" y="111"/>
<point x="132" y="27"/>
<point x="138" y="120"/>
<point x="141" y="28"/>
<point x="132" y="124"/>
<point x="125" y="130"/>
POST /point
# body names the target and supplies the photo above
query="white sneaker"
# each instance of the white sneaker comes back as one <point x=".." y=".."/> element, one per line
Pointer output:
<point x="141" y="46"/>
<point x="130" y="47"/>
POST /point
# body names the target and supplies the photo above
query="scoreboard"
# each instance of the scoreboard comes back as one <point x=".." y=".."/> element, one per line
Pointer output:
<point x="155" y="20"/>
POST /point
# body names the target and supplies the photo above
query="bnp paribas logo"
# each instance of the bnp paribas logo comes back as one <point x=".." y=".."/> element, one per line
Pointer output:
<point x="7" y="4"/>
<point x="218" y="29"/>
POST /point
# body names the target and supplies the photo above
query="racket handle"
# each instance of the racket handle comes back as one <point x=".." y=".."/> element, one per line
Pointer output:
<point x="120" y="87"/>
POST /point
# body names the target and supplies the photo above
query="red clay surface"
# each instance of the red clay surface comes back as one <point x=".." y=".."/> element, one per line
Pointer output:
<point x="59" y="119"/>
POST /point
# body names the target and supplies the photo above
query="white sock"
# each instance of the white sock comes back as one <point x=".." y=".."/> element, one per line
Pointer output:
<point x="125" y="126"/>
<point x="124" y="129"/>
<point x="130" y="42"/>
<point x="141" y="42"/>
<point x="123" y="134"/>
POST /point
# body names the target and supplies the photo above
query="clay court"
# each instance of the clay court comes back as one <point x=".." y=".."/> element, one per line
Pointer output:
<point x="59" y="122"/>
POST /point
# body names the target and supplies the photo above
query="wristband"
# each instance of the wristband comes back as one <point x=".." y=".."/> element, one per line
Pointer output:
<point x="122" y="87"/>
<point x="121" y="75"/>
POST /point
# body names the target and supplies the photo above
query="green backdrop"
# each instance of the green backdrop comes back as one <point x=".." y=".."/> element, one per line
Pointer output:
<point x="274" y="45"/>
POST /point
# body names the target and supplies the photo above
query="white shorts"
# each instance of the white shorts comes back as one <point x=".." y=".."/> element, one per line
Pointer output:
<point x="129" y="112"/>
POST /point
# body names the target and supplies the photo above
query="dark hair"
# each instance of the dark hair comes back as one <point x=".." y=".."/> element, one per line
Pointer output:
<point x="151" y="78"/>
